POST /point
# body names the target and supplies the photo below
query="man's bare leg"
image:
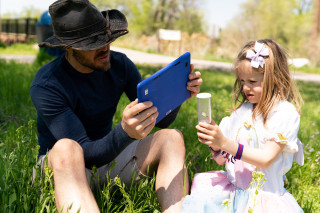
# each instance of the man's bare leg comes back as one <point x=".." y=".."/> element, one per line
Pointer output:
<point x="70" y="183"/>
<point x="164" y="153"/>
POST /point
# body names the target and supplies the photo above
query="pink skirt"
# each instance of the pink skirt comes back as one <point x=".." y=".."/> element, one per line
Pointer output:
<point x="210" y="190"/>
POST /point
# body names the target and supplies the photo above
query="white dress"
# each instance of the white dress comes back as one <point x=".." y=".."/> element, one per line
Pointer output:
<point x="210" y="189"/>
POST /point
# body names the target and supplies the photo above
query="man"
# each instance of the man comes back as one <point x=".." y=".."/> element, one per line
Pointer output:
<point x="76" y="96"/>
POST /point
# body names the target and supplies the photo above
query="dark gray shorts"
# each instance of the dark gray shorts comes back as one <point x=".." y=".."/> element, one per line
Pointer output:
<point x="124" y="167"/>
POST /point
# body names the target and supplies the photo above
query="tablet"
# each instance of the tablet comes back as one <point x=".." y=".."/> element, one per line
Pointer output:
<point x="167" y="88"/>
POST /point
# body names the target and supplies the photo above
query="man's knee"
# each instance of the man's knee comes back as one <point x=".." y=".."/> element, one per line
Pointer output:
<point x="66" y="153"/>
<point x="172" y="139"/>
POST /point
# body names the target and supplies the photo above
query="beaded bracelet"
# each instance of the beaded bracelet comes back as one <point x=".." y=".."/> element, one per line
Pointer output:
<point x="239" y="152"/>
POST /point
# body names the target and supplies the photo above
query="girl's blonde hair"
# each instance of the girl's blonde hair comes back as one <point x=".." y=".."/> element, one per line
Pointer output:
<point x="277" y="83"/>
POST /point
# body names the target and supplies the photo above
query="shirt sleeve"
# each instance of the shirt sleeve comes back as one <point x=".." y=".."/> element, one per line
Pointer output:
<point x="63" y="123"/>
<point x="283" y="128"/>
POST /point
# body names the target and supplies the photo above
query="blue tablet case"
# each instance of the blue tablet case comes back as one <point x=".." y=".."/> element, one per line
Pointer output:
<point x="167" y="88"/>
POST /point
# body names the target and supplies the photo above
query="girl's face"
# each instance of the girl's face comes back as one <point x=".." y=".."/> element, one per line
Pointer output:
<point x="251" y="81"/>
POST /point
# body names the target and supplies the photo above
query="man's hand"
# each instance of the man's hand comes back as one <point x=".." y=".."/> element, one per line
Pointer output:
<point x="195" y="82"/>
<point x="138" y="119"/>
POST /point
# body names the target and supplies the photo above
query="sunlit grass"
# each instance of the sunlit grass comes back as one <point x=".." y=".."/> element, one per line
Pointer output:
<point x="20" y="49"/>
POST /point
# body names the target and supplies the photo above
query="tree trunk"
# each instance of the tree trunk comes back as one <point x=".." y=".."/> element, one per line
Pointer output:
<point x="316" y="20"/>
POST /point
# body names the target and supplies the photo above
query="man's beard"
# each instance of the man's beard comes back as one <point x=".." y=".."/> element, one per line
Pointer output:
<point x="101" y="67"/>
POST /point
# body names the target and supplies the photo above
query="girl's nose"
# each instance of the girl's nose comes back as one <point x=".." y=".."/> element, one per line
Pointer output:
<point x="245" y="87"/>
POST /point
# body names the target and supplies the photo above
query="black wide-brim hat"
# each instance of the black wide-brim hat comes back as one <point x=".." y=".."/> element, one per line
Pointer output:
<point x="79" y="25"/>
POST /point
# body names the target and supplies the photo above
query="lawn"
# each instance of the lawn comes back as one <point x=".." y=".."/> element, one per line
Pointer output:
<point x="30" y="48"/>
<point x="18" y="146"/>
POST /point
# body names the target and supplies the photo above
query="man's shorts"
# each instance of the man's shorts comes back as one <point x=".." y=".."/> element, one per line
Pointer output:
<point x="123" y="166"/>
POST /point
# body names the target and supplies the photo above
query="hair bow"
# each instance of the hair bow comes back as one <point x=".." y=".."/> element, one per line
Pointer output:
<point x="256" y="57"/>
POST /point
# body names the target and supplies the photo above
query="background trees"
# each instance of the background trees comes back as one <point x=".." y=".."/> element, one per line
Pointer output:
<point x="292" y="23"/>
<point x="287" y="21"/>
<point x="147" y="16"/>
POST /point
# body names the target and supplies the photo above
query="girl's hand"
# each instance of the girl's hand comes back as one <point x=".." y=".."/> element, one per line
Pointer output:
<point x="211" y="135"/>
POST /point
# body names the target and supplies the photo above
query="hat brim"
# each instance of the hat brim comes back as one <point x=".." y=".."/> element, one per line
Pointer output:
<point x="91" y="43"/>
<point x="118" y="26"/>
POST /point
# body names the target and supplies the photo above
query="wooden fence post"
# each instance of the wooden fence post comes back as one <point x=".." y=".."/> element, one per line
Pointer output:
<point x="27" y="29"/>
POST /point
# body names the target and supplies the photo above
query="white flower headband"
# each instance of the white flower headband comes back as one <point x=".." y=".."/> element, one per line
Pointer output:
<point x="256" y="58"/>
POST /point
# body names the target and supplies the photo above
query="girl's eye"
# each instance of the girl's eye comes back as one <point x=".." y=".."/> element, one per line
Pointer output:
<point x="252" y="82"/>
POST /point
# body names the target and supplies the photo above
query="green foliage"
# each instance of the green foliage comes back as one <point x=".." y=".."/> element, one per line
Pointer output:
<point x="2" y="45"/>
<point x="43" y="57"/>
<point x="26" y="12"/>
<point x="190" y="21"/>
<point x="281" y="21"/>
<point x="256" y="184"/>
<point x="226" y="205"/>
<point x="139" y="16"/>
<point x="15" y="104"/>
<point x="18" y="147"/>
<point x="278" y="20"/>
<point x="147" y="16"/>
<point x="18" y="154"/>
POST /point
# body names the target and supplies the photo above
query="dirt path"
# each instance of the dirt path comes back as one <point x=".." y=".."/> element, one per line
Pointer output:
<point x="148" y="58"/>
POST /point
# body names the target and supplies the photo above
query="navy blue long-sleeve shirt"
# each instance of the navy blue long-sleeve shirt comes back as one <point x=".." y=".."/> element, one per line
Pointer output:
<point x="81" y="107"/>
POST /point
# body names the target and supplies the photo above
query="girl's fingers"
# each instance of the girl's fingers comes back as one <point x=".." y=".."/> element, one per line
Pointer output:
<point x="206" y="128"/>
<point x="209" y="143"/>
<point x="213" y="122"/>
<point x="205" y="137"/>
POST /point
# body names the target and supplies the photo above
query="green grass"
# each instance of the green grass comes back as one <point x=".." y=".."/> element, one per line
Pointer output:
<point x="19" y="49"/>
<point x="18" y="146"/>
<point x="308" y="69"/>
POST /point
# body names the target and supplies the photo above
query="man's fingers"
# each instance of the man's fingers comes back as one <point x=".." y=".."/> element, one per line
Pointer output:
<point x="135" y="108"/>
<point x="146" y="117"/>
<point x="191" y="68"/>
<point x="144" y="127"/>
<point x="146" y="113"/>
<point x="194" y="90"/>
<point x="194" y="75"/>
<point x="135" y="102"/>
<point x="194" y="83"/>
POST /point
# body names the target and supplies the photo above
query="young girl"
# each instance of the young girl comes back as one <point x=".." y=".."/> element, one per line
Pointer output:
<point x="258" y="140"/>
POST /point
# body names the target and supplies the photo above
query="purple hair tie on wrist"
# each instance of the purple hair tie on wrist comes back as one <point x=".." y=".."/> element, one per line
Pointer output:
<point x="215" y="154"/>
<point x="239" y="152"/>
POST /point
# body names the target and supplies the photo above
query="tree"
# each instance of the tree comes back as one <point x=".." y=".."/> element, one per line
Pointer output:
<point x="316" y="20"/>
<point x="147" y="16"/>
<point x="314" y="43"/>
<point x="190" y="19"/>
<point x="286" y="21"/>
